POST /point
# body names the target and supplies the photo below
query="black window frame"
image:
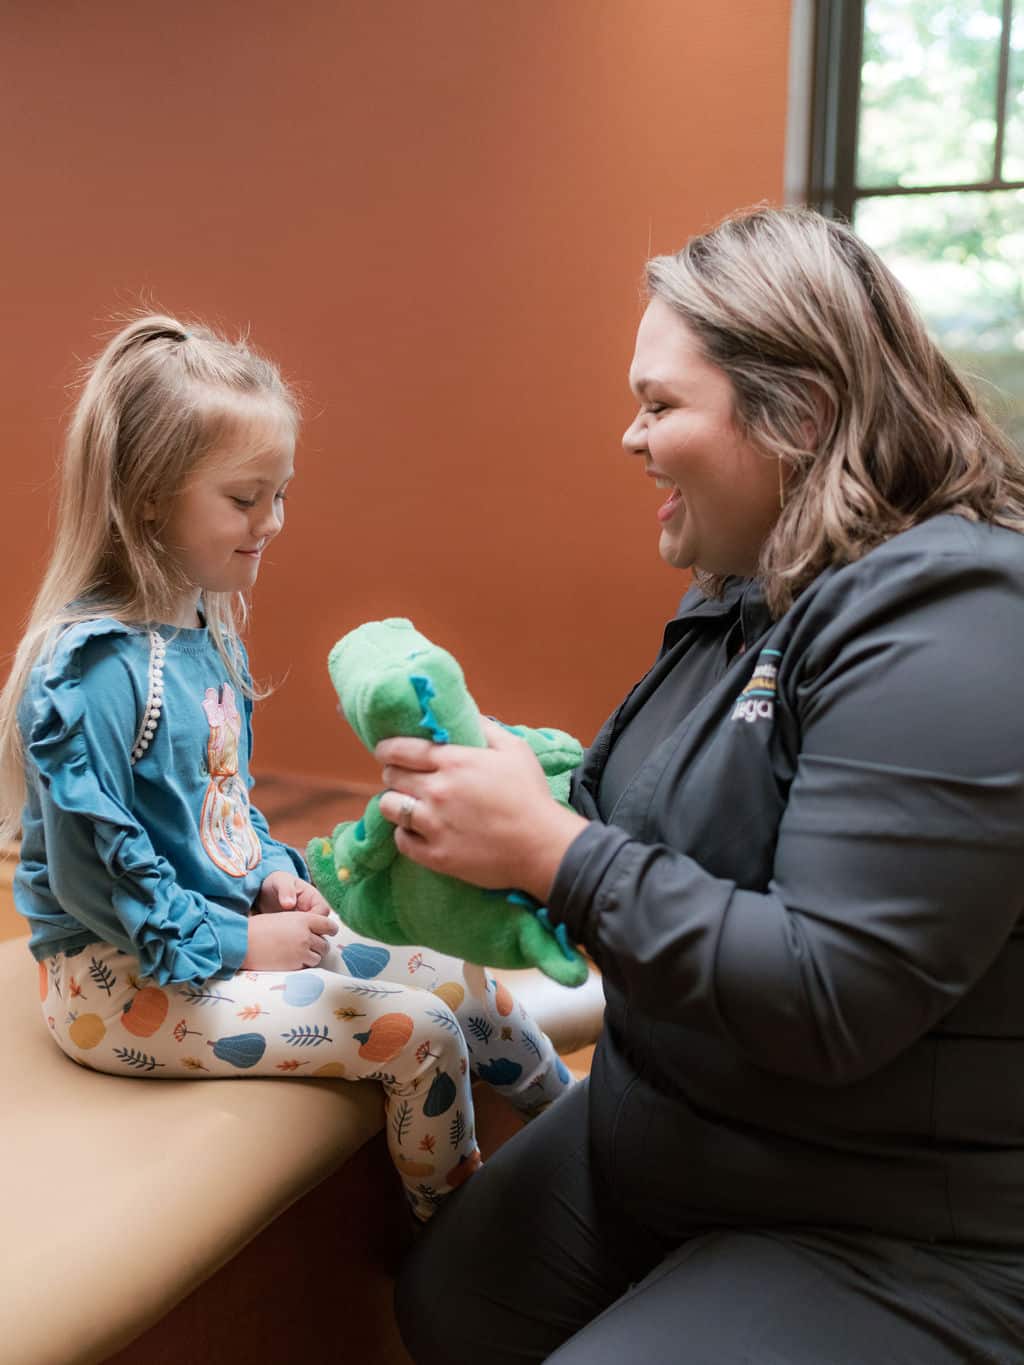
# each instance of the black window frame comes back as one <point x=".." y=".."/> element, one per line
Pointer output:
<point x="835" y="111"/>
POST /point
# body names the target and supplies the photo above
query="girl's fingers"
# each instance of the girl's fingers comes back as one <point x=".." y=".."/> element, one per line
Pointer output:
<point x="310" y="900"/>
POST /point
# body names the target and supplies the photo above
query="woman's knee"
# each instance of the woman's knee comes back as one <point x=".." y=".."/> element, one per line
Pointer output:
<point x="511" y="1265"/>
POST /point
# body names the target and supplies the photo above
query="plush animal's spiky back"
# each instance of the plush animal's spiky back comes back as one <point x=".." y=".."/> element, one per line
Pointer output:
<point x="391" y="680"/>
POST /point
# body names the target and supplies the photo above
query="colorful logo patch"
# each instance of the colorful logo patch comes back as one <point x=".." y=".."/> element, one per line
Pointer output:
<point x="757" y="700"/>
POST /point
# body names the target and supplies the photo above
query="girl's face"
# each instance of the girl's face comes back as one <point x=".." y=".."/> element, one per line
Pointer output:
<point x="230" y="509"/>
<point x="723" y="493"/>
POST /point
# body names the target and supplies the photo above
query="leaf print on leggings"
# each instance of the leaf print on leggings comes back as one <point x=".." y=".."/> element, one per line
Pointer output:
<point x="401" y="1117"/>
<point x="309" y="1035"/>
<point x="102" y="975"/>
<point x="457" y="1129"/>
<point x="199" y="995"/>
<point x="141" y="1061"/>
<point x="444" y="1019"/>
<point x="481" y="1029"/>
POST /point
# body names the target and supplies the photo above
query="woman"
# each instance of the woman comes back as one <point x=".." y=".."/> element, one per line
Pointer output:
<point x="797" y="859"/>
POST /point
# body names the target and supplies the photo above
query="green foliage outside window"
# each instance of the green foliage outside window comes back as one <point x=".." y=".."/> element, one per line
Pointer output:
<point x="928" y="117"/>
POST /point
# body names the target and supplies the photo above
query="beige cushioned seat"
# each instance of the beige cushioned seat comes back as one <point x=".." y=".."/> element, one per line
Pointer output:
<point x="121" y="1195"/>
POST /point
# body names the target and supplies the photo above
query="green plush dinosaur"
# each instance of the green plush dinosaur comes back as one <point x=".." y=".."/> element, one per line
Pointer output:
<point x="391" y="680"/>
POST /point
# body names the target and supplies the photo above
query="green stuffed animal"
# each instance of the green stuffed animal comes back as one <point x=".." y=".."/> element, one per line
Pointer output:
<point x="391" y="680"/>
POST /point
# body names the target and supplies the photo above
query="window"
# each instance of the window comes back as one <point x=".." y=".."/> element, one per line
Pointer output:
<point x="917" y="138"/>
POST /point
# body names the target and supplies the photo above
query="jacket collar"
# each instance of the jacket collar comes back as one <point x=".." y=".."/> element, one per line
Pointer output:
<point x="696" y="605"/>
<point x="741" y="598"/>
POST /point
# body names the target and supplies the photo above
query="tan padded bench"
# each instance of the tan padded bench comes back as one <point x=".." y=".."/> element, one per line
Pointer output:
<point x="120" y="1196"/>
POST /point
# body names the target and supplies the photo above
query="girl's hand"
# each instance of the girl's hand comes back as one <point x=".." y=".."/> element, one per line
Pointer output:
<point x="286" y="891"/>
<point x="486" y="816"/>
<point x="287" y="943"/>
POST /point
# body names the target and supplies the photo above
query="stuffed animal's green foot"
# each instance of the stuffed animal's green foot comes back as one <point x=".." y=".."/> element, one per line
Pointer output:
<point x="355" y="851"/>
<point x="549" y="947"/>
<point x="360" y="896"/>
<point x="324" y="875"/>
<point x="556" y="751"/>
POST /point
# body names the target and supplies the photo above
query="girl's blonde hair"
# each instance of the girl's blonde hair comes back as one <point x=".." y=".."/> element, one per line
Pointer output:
<point x="160" y="397"/>
<point x="835" y="376"/>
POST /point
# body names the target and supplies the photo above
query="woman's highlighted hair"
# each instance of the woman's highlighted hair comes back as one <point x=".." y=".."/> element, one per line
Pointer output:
<point x="836" y="377"/>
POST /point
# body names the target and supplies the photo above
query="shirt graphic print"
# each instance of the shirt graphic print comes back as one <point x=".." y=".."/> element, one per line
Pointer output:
<point x="225" y="826"/>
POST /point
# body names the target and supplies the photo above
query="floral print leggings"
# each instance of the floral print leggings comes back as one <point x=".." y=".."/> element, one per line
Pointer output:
<point x="422" y="1024"/>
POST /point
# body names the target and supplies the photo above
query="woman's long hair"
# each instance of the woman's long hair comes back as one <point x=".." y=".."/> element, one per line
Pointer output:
<point x="835" y="376"/>
<point x="160" y="397"/>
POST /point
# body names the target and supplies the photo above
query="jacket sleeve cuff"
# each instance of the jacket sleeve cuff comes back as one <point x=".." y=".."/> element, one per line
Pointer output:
<point x="572" y="901"/>
<point x="282" y="858"/>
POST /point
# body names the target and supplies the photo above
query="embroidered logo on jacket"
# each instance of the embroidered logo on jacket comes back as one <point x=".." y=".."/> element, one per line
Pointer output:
<point x="757" y="700"/>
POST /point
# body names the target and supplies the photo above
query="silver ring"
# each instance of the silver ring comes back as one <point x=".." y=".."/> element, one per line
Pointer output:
<point x="405" y="810"/>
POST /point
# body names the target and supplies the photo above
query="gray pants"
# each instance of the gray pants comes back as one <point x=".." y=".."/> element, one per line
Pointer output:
<point x="532" y="1261"/>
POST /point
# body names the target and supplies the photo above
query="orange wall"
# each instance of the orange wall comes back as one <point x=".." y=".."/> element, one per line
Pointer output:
<point x="434" y="213"/>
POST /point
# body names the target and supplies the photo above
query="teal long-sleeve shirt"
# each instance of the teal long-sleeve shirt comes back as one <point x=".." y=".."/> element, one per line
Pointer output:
<point x="164" y="856"/>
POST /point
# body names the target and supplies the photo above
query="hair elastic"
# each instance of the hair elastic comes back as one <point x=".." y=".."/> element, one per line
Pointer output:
<point x="167" y="334"/>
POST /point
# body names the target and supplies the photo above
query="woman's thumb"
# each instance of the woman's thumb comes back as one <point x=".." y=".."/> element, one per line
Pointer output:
<point x="497" y="736"/>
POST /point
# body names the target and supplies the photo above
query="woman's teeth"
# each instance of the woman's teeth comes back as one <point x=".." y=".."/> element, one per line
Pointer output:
<point x="661" y="482"/>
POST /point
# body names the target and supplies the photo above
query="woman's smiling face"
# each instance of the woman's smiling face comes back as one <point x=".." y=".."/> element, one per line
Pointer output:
<point x="723" y="493"/>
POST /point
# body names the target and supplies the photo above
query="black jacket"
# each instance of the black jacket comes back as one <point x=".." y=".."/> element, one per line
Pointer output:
<point x="808" y="910"/>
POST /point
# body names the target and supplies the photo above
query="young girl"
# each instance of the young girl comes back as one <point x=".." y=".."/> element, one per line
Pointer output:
<point x="174" y="935"/>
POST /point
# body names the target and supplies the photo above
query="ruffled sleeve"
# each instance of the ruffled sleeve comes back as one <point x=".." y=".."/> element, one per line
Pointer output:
<point x="80" y="717"/>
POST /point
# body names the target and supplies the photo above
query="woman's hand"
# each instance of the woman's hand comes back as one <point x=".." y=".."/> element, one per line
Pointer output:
<point x="486" y="816"/>
<point x="286" y="891"/>
<point x="287" y="943"/>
